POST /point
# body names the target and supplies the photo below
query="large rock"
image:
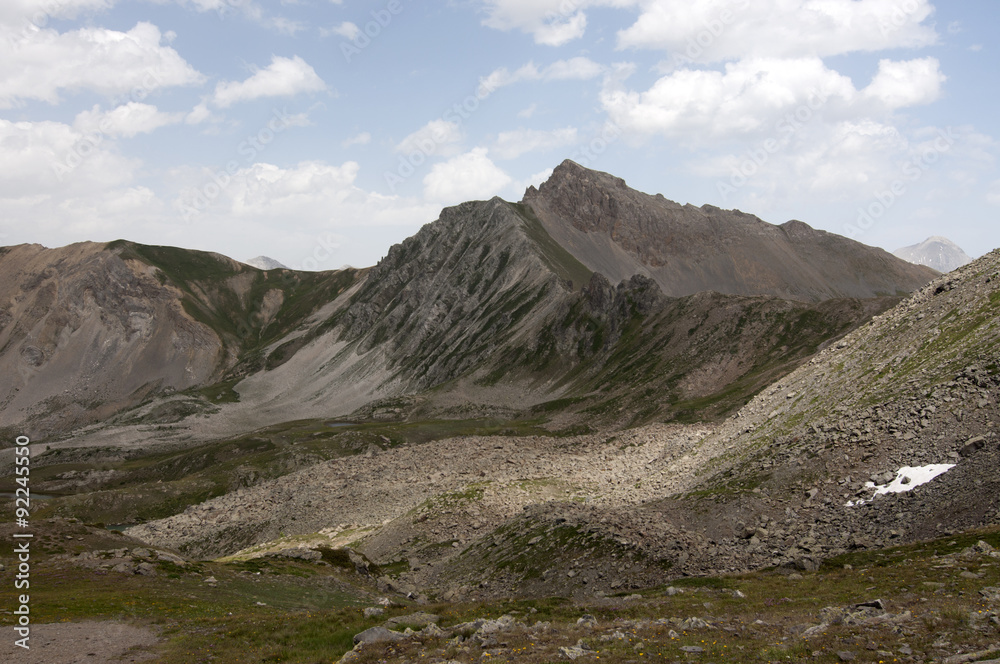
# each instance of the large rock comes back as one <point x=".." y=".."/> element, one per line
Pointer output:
<point x="378" y="635"/>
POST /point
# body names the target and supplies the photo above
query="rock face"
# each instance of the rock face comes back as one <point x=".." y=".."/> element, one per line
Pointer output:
<point x="618" y="232"/>
<point x="938" y="253"/>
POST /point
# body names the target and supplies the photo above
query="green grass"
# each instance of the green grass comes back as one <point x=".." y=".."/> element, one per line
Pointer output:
<point x="304" y="613"/>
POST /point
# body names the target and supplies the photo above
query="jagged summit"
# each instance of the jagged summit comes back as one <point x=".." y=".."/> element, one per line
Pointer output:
<point x="619" y="232"/>
<point x="936" y="252"/>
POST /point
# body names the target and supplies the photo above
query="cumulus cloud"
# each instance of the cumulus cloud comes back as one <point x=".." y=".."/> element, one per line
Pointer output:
<point x="470" y="176"/>
<point x="752" y="96"/>
<point x="910" y="83"/>
<point x="284" y="77"/>
<point x="43" y="63"/>
<point x="347" y="30"/>
<point x="512" y="144"/>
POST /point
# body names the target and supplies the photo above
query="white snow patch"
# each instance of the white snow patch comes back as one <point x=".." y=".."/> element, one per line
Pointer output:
<point x="907" y="479"/>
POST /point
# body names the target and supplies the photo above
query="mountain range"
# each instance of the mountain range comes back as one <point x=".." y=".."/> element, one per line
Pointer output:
<point x="624" y="306"/>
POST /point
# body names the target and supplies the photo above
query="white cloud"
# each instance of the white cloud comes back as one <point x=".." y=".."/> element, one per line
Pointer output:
<point x="578" y="69"/>
<point x="470" y="176"/>
<point x="528" y="112"/>
<point x="46" y="158"/>
<point x="126" y="120"/>
<point x="259" y="200"/>
<point x="364" y="138"/>
<point x="199" y="114"/>
<point x="437" y="137"/>
<point x="41" y="64"/>
<point x="284" y="77"/>
<point x="714" y="30"/>
<point x="752" y="97"/>
<point x="347" y="30"/>
<point x="512" y="144"/>
<point x="910" y="83"/>
<point x="286" y="26"/>
<point x="747" y="98"/>
<point x="561" y="31"/>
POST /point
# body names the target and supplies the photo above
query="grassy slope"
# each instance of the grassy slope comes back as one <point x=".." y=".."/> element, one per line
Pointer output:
<point x="304" y="613"/>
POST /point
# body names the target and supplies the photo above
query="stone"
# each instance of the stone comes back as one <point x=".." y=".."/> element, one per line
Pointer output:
<point x="572" y="652"/>
<point x="846" y="656"/>
<point x="377" y="635"/>
<point x="693" y="623"/>
<point x="372" y="611"/>
<point x="419" y="619"/>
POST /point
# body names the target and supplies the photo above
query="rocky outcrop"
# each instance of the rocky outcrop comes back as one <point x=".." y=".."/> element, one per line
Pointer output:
<point x="619" y="232"/>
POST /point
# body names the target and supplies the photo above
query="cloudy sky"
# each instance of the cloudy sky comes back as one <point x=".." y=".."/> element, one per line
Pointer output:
<point x="319" y="132"/>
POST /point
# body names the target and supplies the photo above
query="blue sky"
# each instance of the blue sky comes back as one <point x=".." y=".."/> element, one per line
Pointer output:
<point x="320" y="132"/>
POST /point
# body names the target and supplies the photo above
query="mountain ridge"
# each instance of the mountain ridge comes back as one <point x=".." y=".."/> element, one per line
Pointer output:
<point x="618" y="231"/>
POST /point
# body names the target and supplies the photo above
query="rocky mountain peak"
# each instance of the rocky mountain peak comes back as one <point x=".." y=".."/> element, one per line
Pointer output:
<point x="938" y="253"/>
<point x="620" y="232"/>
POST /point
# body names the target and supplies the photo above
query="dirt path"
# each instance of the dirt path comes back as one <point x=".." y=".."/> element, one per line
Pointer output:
<point x="80" y="643"/>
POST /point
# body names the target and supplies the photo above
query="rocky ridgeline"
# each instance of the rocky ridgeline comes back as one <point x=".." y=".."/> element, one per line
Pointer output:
<point x="619" y="232"/>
